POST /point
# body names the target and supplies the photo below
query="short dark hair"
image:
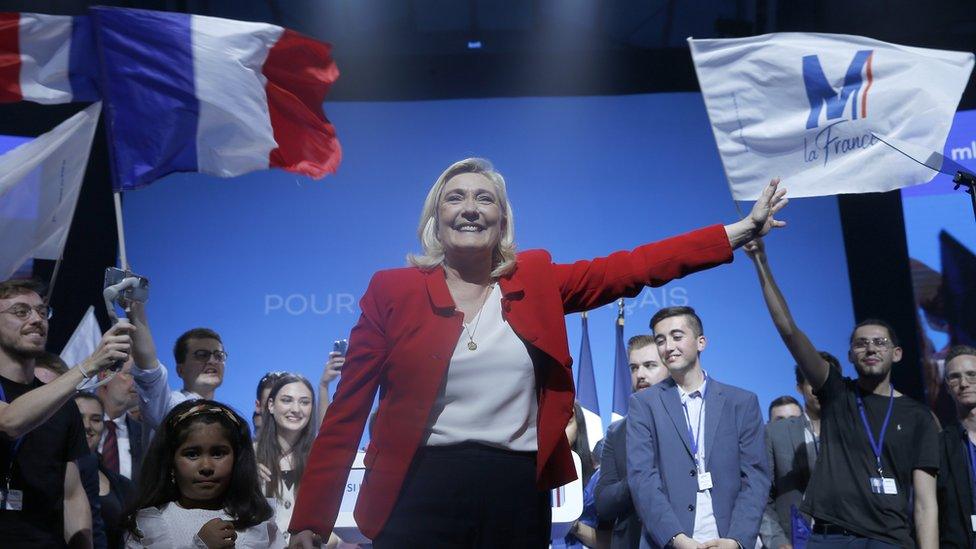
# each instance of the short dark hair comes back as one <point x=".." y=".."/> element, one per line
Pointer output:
<point x="959" y="350"/>
<point x="668" y="312"/>
<point x="18" y="286"/>
<point x="90" y="396"/>
<point x="784" y="400"/>
<point x="878" y="322"/>
<point x="639" y="342"/>
<point x="182" y="342"/>
<point x="51" y="362"/>
<point x="831" y="361"/>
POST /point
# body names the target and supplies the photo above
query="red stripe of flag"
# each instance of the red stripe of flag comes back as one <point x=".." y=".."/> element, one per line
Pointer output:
<point x="10" y="58"/>
<point x="864" y="96"/>
<point x="299" y="72"/>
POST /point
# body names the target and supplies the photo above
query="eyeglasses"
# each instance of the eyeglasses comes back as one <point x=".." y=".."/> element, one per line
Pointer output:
<point x="955" y="378"/>
<point x="204" y="356"/>
<point x="862" y="343"/>
<point x="22" y="311"/>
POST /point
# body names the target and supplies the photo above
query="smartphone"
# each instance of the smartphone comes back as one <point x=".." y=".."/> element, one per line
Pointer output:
<point x="139" y="292"/>
<point x="340" y="346"/>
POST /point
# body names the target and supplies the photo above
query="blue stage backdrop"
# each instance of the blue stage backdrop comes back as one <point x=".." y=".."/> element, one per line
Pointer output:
<point x="277" y="263"/>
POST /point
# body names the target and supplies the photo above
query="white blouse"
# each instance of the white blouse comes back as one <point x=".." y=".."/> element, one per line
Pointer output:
<point x="173" y="527"/>
<point x="489" y="395"/>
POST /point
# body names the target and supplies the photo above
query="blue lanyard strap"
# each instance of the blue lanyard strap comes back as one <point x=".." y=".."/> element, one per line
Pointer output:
<point x="695" y="436"/>
<point x="971" y="450"/>
<point x="876" y="445"/>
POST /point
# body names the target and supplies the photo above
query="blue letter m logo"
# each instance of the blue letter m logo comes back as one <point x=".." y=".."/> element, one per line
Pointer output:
<point x="820" y="92"/>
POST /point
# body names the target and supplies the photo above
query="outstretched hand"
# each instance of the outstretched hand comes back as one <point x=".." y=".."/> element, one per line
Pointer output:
<point x="763" y="211"/>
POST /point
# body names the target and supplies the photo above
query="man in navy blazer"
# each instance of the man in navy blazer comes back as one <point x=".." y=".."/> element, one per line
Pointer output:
<point x="696" y="456"/>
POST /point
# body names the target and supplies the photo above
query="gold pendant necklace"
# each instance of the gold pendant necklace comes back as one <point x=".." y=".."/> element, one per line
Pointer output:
<point x="472" y="346"/>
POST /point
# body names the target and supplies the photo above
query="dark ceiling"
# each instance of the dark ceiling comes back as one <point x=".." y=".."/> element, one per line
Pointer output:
<point x="425" y="49"/>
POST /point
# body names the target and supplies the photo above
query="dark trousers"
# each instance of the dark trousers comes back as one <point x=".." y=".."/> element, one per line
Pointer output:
<point x="826" y="541"/>
<point x="469" y="496"/>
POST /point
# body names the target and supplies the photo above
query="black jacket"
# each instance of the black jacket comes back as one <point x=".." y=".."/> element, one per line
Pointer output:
<point x="955" y="488"/>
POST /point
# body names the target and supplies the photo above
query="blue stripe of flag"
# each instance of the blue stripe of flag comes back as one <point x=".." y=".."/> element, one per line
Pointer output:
<point x="150" y="101"/>
<point x="585" y="378"/>
<point x="82" y="65"/>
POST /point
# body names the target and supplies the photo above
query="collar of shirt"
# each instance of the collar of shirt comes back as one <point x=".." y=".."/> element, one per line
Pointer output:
<point x="696" y="393"/>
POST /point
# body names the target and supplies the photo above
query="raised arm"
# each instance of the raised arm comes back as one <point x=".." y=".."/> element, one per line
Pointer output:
<point x="814" y="368"/>
<point x="36" y="406"/>
<point x="329" y="374"/>
<point x="143" y="344"/>
<point x="588" y="284"/>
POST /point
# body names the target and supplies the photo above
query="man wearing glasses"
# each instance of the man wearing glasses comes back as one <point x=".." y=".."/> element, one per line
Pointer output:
<point x="957" y="444"/>
<point x="199" y="355"/>
<point x="877" y="447"/>
<point x="42" y="501"/>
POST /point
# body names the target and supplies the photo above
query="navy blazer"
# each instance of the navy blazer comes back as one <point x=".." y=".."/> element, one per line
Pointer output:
<point x="661" y="469"/>
<point x="612" y="494"/>
<point x="954" y="490"/>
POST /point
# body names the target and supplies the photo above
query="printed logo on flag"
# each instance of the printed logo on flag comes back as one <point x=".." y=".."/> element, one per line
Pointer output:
<point x="828" y="104"/>
<point x="823" y="96"/>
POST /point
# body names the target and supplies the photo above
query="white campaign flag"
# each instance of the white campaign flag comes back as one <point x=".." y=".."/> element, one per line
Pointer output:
<point x="806" y="107"/>
<point x="39" y="186"/>
<point x="84" y="340"/>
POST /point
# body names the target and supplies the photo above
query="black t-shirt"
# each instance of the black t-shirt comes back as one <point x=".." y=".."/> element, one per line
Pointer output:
<point x="38" y="470"/>
<point x="840" y="490"/>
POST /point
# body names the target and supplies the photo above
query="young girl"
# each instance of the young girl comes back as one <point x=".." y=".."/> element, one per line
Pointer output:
<point x="288" y="419"/>
<point x="199" y="485"/>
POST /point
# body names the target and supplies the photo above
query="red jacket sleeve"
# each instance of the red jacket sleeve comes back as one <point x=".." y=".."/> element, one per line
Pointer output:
<point x="585" y="285"/>
<point x="320" y="492"/>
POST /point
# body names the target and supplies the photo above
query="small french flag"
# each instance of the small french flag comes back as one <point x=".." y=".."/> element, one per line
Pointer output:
<point x="47" y="59"/>
<point x="189" y="93"/>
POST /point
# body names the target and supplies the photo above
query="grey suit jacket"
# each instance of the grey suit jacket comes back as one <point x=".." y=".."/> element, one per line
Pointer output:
<point x="791" y="461"/>
<point x="661" y="470"/>
<point x="613" y="501"/>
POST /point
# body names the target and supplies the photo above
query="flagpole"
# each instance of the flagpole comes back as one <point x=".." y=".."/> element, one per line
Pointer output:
<point x="123" y="260"/>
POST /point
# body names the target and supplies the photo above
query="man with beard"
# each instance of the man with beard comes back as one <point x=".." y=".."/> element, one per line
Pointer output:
<point x="957" y="444"/>
<point x="877" y="448"/>
<point x="613" y="501"/>
<point x="199" y="355"/>
<point x="42" y="501"/>
<point x="792" y="447"/>
<point x="696" y="460"/>
<point x="121" y="444"/>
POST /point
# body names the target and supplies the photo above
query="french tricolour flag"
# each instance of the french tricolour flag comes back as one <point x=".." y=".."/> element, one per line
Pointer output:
<point x="46" y="58"/>
<point x="188" y="93"/>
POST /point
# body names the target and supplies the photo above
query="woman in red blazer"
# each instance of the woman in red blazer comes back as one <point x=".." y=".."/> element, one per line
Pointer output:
<point x="466" y="446"/>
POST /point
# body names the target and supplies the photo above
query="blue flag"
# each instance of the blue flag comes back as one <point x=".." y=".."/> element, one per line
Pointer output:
<point x="586" y="388"/>
<point x="621" y="370"/>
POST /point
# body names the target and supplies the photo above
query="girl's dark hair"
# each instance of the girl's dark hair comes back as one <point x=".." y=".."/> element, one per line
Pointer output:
<point x="269" y="451"/>
<point x="582" y="444"/>
<point x="157" y="486"/>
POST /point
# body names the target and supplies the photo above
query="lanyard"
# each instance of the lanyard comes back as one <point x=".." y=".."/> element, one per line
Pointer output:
<point x="9" y="472"/>
<point x="971" y="450"/>
<point x="694" y="436"/>
<point x="876" y="446"/>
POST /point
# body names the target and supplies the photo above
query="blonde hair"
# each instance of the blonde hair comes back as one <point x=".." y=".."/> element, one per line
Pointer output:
<point x="503" y="257"/>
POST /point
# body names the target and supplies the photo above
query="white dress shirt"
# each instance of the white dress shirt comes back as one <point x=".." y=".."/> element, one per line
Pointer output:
<point x="705" y="527"/>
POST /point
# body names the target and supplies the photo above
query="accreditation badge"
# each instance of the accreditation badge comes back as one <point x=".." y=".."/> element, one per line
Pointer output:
<point x="884" y="485"/>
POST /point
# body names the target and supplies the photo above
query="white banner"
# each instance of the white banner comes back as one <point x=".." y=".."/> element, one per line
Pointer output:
<point x="84" y="340"/>
<point x="804" y="107"/>
<point x="39" y="186"/>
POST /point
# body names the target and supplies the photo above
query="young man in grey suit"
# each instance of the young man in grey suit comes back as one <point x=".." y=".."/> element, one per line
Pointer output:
<point x="792" y="445"/>
<point x="613" y="501"/>
<point x="696" y="461"/>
